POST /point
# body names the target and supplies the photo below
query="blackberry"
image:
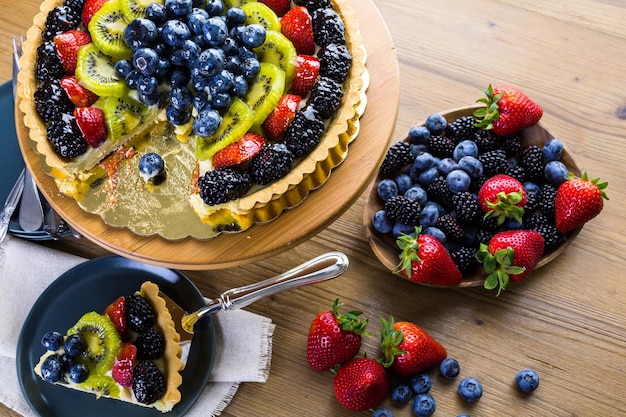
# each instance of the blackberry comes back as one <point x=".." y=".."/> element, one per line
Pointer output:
<point x="441" y="146"/>
<point x="494" y="162"/>
<point x="65" y="137"/>
<point x="551" y="236"/>
<point x="328" y="27"/>
<point x="511" y="144"/>
<point x="274" y="161"/>
<point x="397" y="157"/>
<point x="148" y="382"/>
<point x="313" y="5"/>
<point x="461" y="129"/>
<point x="532" y="203"/>
<point x="547" y="196"/>
<point x="150" y="344"/>
<point x="335" y="62"/>
<point x="59" y="20"/>
<point x="464" y="258"/>
<point x="51" y="101"/>
<point x="75" y="5"/>
<point x="485" y="235"/>
<point x="439" y="192"/>
<point x="531" y="158"/>
<point x="402" y="209"/>
<point x="326" y="96"/>
<point x="223" y="185"/>
<point x="486" y="141"/>
<point x="138" y="313"/>
<point x="48" y="67"/>
<point x="450" y="227"/>
<point x="304" y="132"/>
<point x="517" y="171"/>
<point x="466" y="206"/>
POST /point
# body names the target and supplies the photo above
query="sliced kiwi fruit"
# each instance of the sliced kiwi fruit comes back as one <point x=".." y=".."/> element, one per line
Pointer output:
<point x="236" y="3"/>
<point x="134" y="9"/>
<point x="100" y="385"/>
<point x="257" y="12"/>
<point x="279" y="50"/>
<point x="235" y="123"/>
<point x="101" y="339"/>
<point x="96" y="71"/>
<point x="265" y="91"/>
<point x="107" y="29"/>
<point x="122" y="115"/>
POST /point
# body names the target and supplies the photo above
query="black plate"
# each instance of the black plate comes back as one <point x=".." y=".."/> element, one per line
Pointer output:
<point x="91" y="286"/>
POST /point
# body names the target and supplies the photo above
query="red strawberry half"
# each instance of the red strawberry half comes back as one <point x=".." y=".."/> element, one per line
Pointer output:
<point x="67" y="45"/>
<point x="122" y="371"/>
<point x="578" y="200"/>
<point x="90" y="121"/>
<point x="507" y="110"/>
<point x="280" y="7"/>
<point x="297" y="26"/>
<point x="307" y="73"/>
<point x="361" y="384"/>
<point x="115" y="312"/>
<point x="89" y="9"/>
<point x="238" y="152"/>
<point x="281" y="117"/>
<point x="79" y="95"/>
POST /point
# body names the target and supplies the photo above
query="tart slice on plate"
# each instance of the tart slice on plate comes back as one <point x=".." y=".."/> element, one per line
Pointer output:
<point x="129" y="352"/>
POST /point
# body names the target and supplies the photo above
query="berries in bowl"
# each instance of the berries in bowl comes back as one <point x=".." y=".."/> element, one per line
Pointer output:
<point x="478" y="196"/>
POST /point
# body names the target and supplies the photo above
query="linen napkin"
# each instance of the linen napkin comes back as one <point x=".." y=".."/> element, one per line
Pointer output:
<point x="27" y="269"/>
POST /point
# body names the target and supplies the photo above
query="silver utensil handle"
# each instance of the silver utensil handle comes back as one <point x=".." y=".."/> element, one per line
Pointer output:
<point x="5" y="219"/>
<point x="322" y="268"/>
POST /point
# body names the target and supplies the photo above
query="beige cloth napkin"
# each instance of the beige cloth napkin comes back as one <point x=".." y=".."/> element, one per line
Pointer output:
<point x="26" y="269"/>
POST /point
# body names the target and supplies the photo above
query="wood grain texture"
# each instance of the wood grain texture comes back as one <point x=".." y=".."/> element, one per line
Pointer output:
<point x="568" y="321"/>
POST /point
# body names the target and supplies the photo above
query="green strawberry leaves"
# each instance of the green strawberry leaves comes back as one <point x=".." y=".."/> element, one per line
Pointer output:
<point x="485" y="116"/>
<point x="498" y="267"/>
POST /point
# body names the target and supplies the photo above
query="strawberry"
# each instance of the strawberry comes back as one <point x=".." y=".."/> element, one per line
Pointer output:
<point x="503" y="197"/>
<point x="89" y="9"/>
<point x="115" y="312"/>
<point x="307" y="73"/>
<point x="122" y="371"/>
<point x="90" y="121"/>
<point x="424" y="259"/>
<point x="297" y="26"/>
<point x="334" y="338"/>
<point x="282" y="115"/>
<point x="509" y="257"/>
<point x="79" y="95"/>
<point x="280" y="7"/>
<point x="578" y="200"/>
<point x="361" y="384"/>
<point x="237" y="152"/>
<point x="67" y="45"/>
<point x="507" y="110"/>
<point x="408" y="349"/>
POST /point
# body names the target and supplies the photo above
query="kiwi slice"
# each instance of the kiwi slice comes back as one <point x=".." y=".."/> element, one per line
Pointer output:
<point x="279" y="50"/>
<point x="265" y="91"/>
<point x="122" y="115"/>
<point x="235" y="3"/>
<point x="134" y="9"/>
<point x="96" y="71"/>
<point x="101" y="339"/>
<point x="100" y="385"/>
<point x="107" y="30"/>
<point x="260" y="13"/>
<point x="235" y="123"/>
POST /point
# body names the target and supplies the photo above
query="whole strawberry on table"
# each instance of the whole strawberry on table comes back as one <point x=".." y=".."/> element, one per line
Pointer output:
<point x="461" y="197"/>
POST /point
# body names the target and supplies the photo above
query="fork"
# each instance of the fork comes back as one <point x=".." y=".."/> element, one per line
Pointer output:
<point x="9" y="206"/>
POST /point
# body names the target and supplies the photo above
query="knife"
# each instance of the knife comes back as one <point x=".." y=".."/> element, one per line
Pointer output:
<point x="10" y="204"/>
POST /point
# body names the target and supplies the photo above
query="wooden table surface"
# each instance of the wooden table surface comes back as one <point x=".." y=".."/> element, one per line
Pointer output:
<point x="568" y="320"/>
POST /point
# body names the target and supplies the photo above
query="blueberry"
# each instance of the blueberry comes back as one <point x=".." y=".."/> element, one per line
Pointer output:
<point x="180" y="97"/>
<point x="209" y="62"/>
<point x="253" y="35"/>
<point x="178" y="77"/>
<point x="201" y="101"/>
<point x="74" y="345"/>
<point x="382" y="412"/>
<point x="552" y="150"/>
<point x="235" y="16"/>
<point x="471" y="235"/>
<point x="146" y="61"/>
<point x="427" y="177"/>
<point x="555" y="172"/>
<point x="470" y="389"/>
<point x="465" y="148"/>
<point x="207" y="122"/>
<point x="123" y="67"/>
<point x="463" y="415"/>
<point x="387" y="188"/>
<point x="221" y="100"/>
<point x="424" y="405"/>
<point x="419" y="135"/>
<point x="163" y="68"/>
<point x="177" y="116"/>
<point x="436" y="233"/>
<point x="527" y="380"/>
<point x="421" y="383"/>
<point x="458" y="181"/>
<point x="429" y="215"/>
<point x="132" y="79"/>
<point x="214" y="7"/>
<point x="186" y="54"/>
<point x="52" y="340"/>
<point x="404" y="183"/>
<point x="472" y="166"/>
<point x="447" y="165"/>
<point x="148" y="85"/>
<point x="66" y="361"/>
<point x="424" y="161"/>
<point x="232" y="63"/>
<point x="140" y="33"/>
<point x="215" y="31"/>
<point x="401" y="228"/>
<point x="156" y="12"/>
<point x="417" y="193"/>
<point x="196" y="20"/>
<point x="449" y="368"/>
<point x="381" y="222"/>
<point x="151" y="165"/>
<point x="78" y="373"/>
<point x="222" y="82"/>
<point x="418" y="148"/>
<point x="174" y="33"/>
<point x="401" y="393"/>
<point x="513" y="224"/>
<point x="178" y="8"/>
<point x="230" y="47"/>
<point x="51" y="369"/>
<point x="436" y="124"/>
<point x="240" y="86"/>
<point x="531" y="188"/>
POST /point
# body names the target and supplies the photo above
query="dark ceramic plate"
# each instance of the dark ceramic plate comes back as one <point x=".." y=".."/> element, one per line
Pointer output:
<point x="91" y="286"/>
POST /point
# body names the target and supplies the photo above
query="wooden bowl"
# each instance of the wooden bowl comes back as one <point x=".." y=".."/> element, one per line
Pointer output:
<point x="384" y="246"/>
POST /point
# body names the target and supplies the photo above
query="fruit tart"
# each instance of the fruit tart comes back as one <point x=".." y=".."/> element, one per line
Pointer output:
<point x="128" y="352"/>
<point x="245" y="100"/>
